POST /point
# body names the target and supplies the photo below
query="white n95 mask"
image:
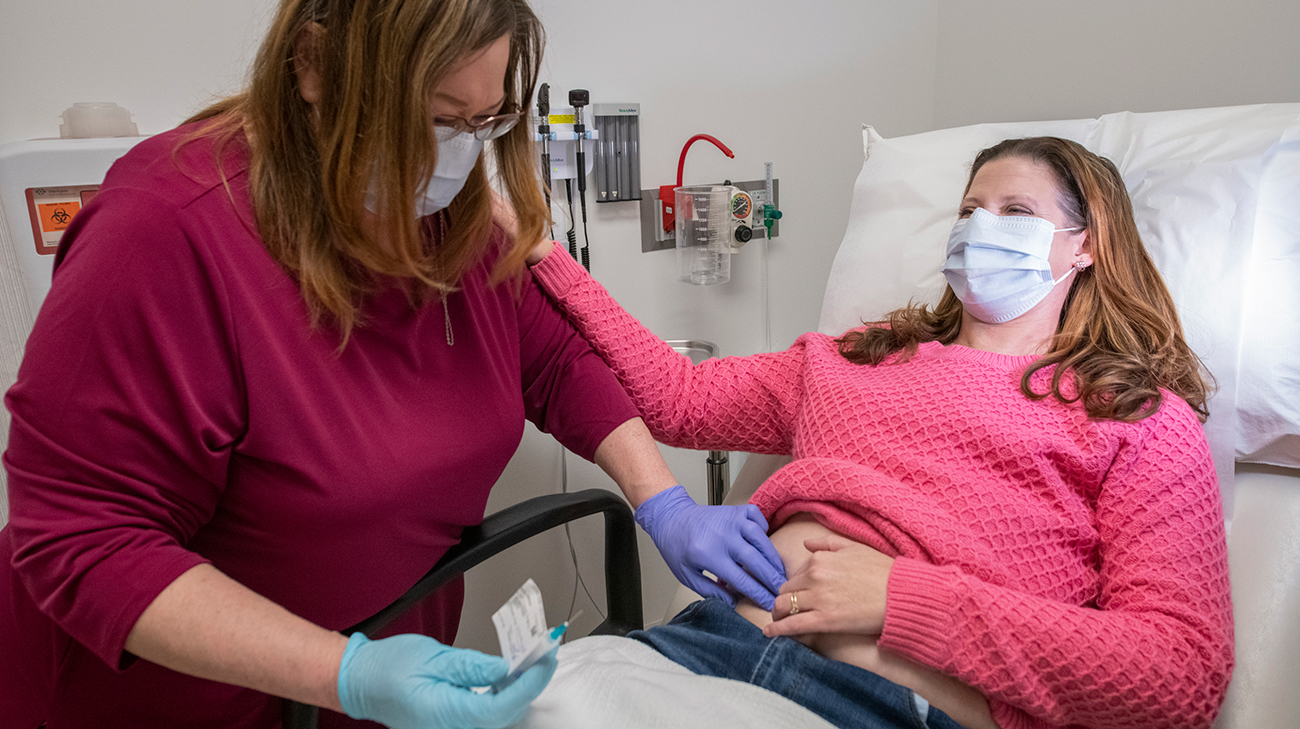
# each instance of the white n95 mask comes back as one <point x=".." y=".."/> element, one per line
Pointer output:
<point x="997" y="265"/>
<point x="457" y="155"/>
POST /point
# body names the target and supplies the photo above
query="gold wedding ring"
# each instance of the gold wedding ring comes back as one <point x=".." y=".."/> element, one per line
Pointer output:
<point x="794" y="604"/>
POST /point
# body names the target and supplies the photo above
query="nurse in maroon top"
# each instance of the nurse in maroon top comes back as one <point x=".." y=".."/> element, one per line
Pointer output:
<point x="286" y="353"/>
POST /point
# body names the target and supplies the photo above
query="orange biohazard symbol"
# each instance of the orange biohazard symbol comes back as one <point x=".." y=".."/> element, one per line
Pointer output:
<point x="56" y="216"/>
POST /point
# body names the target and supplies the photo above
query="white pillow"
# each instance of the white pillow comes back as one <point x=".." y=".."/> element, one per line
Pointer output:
<point x="1268" y="388"/>
<point x="1194" y="179"/>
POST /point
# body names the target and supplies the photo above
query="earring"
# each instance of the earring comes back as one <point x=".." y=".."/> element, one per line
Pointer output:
<point x="1079" y="266"/>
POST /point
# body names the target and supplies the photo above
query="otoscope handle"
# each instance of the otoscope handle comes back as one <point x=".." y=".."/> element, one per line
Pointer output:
<point x="579" y="98"/>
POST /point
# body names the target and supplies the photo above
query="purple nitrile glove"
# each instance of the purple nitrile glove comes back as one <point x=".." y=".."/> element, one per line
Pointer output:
<point x="729" y="541"/>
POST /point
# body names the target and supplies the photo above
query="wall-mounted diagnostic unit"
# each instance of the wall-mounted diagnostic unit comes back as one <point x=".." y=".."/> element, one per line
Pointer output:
<point x="571" y="149"/>
<point x="613" y="141"/>
<point x="563" y="143"/>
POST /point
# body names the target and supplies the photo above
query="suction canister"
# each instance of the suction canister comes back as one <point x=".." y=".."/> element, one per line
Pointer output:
<point x="706" y="229"/>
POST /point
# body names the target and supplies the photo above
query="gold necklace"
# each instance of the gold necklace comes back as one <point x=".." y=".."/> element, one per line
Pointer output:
<point x="446" y="313"/>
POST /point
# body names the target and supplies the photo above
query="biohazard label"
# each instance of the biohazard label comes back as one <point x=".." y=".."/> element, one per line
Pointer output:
<point x="52" y="209"/>
<point x="56" y="216"/>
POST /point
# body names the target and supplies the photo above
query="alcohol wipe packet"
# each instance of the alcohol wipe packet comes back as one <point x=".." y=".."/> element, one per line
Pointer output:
<point x="522" y="632"/>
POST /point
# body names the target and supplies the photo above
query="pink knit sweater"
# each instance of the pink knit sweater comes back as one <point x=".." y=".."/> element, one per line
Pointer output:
<point x="1072" y="570"/>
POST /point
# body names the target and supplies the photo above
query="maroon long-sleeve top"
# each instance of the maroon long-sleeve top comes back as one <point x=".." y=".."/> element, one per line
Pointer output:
<point x="175" y="407"/>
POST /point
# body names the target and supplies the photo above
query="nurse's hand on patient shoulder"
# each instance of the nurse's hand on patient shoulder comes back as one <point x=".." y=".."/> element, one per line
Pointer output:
<point x="840" y="589"/>
<point x="410" y="681"/>
<point x="504" y="215"/>
<point x="540" y="251"/>
<point x="729" y="541"/>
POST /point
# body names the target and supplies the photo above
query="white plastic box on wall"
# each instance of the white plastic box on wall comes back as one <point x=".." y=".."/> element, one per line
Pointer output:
<point x="43" y="183"/>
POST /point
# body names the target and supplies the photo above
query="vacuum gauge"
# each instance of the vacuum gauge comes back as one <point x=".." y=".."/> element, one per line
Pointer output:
<point x="742" y="205"/>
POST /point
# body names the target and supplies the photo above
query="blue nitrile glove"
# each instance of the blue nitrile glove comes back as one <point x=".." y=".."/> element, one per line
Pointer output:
<point x="729" y="541"/>
<point x="414" y="682"/>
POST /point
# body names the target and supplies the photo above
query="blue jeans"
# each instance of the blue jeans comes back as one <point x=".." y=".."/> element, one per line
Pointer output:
<point x="712" y="639"/>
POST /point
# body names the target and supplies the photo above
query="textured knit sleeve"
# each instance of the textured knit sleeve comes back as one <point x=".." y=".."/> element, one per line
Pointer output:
<point x="1157" y="648"/>
<point x="736" y="403"/>
<point x="125" y="411"/>
<point x="569" y="391"/>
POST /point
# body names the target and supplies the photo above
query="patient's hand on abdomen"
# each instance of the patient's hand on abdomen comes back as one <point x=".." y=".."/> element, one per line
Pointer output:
<point x="964" y="704"/>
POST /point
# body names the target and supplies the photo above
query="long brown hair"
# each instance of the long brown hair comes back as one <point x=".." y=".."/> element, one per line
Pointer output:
<point x="379" y="63"/>
<point x="1118" y="335"/>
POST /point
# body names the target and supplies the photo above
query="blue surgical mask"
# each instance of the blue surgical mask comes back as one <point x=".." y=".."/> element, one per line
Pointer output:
<point x="997" y="265"/>
<point x="457" y="155"/>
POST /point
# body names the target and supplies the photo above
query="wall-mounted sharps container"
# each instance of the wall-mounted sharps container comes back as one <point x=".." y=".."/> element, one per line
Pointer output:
<point x="706" y="228"/>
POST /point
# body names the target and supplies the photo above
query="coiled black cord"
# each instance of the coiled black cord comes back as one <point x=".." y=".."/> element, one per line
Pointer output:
<point x="572" y="233"/>
<point x="586" y="241"/>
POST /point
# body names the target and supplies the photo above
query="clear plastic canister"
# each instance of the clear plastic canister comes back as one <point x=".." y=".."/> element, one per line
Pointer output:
<point x="704" y="233"/>
<point x="96" y="119"/>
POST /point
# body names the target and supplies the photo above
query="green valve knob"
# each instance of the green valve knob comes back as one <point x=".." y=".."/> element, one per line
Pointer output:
<point x="770" y="216"/>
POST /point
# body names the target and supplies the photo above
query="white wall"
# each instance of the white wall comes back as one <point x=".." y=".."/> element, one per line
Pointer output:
<point x="1029" y="60"/>
<point x="160" y="59"/>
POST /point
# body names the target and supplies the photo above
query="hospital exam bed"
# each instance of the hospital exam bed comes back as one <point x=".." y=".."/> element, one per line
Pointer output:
<point x="1216" y="194"/>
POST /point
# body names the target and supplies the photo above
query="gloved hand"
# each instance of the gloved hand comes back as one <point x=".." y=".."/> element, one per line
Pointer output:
<point x="414" y="682"/>
<point x="729" y="541"/>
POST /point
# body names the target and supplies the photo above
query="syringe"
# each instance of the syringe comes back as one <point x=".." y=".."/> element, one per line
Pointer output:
<point x="545" y="644"/>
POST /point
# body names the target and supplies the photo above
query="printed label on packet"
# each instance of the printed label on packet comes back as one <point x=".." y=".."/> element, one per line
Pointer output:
<point x="520" y="623"/>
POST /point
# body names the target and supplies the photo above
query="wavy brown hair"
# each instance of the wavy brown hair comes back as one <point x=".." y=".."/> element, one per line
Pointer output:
<point x="1118" y="336"/>
<point x="380" y="62"/>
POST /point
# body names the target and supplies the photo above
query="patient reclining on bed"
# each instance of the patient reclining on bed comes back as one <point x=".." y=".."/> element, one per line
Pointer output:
<point x="1008" y="497"/>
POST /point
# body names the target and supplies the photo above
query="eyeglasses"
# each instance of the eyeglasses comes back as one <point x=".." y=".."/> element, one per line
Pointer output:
<point x="483" y="128"/>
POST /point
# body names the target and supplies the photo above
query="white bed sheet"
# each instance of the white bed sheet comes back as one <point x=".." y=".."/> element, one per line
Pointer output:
<point x="605" y="682"/>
